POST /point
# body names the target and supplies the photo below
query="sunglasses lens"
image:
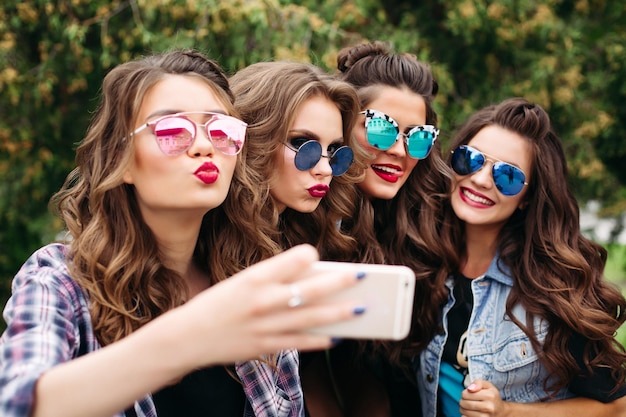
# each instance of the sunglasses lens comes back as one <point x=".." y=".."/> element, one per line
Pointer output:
<point x="227" y="135"/>
<point x="509" y="179"/>
<point x="174" y="135"/>
<point x="467" y="160"/>
<point x="419" y="144"/>
<point x="308" y="155"/>
<point x="341" y="160"/>
<point x="381" y="133"/>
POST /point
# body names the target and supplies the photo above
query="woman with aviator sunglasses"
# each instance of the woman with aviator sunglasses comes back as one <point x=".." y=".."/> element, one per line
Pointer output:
<point x="529" y="325"/>
<point x="395" y="223"/>
<point x="129" y="314"/>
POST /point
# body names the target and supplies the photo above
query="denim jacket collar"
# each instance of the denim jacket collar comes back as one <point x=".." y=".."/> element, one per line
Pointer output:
<point x="500" y="273"/>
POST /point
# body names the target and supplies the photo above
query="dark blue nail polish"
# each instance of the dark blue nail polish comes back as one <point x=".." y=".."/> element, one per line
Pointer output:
<point x="360" y="275"/>
<point x="359" y="310"/>
<point x="335" y="341"/>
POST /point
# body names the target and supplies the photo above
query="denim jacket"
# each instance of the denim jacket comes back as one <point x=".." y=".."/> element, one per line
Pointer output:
<point x="498" y="350"/>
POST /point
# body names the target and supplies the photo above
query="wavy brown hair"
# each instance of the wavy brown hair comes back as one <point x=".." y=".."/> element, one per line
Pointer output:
<point x="268" y="96"/>
<point x="404" y="230"/>
<point x="557" y="272"/>
<point x="115" y="256"/>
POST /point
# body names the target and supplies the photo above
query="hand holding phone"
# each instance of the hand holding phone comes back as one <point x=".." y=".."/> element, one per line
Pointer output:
<point x="387" y="293"/>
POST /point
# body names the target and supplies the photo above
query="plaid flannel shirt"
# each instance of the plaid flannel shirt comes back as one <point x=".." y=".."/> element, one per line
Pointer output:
<point x="49" y="323"/>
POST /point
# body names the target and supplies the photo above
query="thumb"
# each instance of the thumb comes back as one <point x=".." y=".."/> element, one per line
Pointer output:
<point x="477" y="385"/>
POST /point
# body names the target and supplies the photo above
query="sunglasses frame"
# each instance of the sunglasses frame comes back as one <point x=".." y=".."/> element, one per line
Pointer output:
<point x="329" y="157"/>
<point x="183" y="115"/>
<point x="376" y="114"/>
<point x="496" y="165"/>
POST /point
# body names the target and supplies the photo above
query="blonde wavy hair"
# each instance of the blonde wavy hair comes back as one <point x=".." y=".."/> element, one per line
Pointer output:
<point x="114" y="255"/>
<point x="268" y="96"/>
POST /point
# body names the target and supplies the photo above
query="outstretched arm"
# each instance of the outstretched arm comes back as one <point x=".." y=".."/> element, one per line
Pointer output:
<point x="238" y="319"/>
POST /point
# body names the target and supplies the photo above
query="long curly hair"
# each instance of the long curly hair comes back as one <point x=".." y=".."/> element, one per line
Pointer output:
<point x="268" y="96"/>
<point x="406" y="229"/>
<point x="557" y="272"/>
<point x="115" y="256"/>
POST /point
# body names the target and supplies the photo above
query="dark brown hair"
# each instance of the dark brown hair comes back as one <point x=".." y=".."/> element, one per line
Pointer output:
<point x="557" y="272"/>
<point x="405" y="229"/>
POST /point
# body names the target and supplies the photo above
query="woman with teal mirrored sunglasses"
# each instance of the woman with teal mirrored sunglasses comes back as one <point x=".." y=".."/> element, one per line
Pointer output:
<point x="383" y="132"/>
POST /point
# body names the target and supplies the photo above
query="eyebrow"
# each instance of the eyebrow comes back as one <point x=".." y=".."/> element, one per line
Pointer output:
<point x="408" y="126"/>
<point x="309" y="134"/>
<point x="493" y="158"/>
<point x="166" y="112"/>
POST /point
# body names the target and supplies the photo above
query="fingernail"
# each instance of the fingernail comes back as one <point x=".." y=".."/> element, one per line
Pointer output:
<point x="335" y="341"/>
<point x="359" y="310"/>
<point x="360" y="275"/>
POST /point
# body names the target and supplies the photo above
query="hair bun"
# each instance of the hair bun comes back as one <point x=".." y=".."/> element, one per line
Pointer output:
<point x="347" y="57"/>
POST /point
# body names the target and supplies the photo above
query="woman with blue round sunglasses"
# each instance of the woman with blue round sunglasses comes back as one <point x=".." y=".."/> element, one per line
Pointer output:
<point x="301" y="163"/>
<point x="529" y="325"/>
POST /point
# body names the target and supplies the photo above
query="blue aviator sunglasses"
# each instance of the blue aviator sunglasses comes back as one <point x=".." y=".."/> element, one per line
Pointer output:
<point x="309" y="153"/>
<point x="509" y="179"/>
<point x="383" y="132"/>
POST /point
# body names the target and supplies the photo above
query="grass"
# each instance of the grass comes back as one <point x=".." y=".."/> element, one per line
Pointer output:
<point x="615" y="271"/>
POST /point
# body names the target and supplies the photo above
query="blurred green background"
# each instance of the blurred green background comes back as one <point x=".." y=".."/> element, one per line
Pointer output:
<point x="569" y="56"/>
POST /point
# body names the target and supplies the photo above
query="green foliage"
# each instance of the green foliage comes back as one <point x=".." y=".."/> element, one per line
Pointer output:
<point x="568" y="55"/>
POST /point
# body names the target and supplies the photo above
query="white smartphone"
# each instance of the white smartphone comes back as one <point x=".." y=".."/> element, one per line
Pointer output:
<point x="387" y="293"/>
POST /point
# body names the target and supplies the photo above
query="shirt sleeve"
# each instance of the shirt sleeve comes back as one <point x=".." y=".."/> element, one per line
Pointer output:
<point x="41" y="328"/>
<point x="600" y="384"/>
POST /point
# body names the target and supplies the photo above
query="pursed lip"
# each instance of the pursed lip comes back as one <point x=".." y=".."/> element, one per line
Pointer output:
<point x="318" y="190"/>
<point x="208" y="173"/>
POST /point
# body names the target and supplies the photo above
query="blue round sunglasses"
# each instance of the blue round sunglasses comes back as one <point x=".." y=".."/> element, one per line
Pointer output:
<point x="309" y="153"/>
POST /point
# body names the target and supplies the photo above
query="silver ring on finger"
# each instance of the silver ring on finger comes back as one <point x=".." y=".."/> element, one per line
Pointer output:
<point x="296" y="296"/>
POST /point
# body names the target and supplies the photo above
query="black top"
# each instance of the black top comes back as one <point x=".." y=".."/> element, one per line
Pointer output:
<point x="400" y="384"/>
<point x="206" y="392"/>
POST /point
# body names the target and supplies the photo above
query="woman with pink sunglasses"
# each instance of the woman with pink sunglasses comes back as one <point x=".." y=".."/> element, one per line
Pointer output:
<point x="529" y="325"/>
<point x="129" y="314"/>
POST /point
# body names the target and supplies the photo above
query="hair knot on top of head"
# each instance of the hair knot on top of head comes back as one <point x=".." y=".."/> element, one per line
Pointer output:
<point x="348" y="56"/>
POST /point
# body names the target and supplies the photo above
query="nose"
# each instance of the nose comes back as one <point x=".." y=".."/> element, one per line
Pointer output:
<point x="483" y="177"/>
<point x="397" y="149"/>
<point x="323" y="168"/>
<point x="201" y="144"/>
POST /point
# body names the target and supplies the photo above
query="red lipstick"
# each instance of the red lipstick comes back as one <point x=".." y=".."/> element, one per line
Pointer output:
<point x="319" y="190"/>
<point x="208" y="173"/>
<point x="388" y="172"/>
